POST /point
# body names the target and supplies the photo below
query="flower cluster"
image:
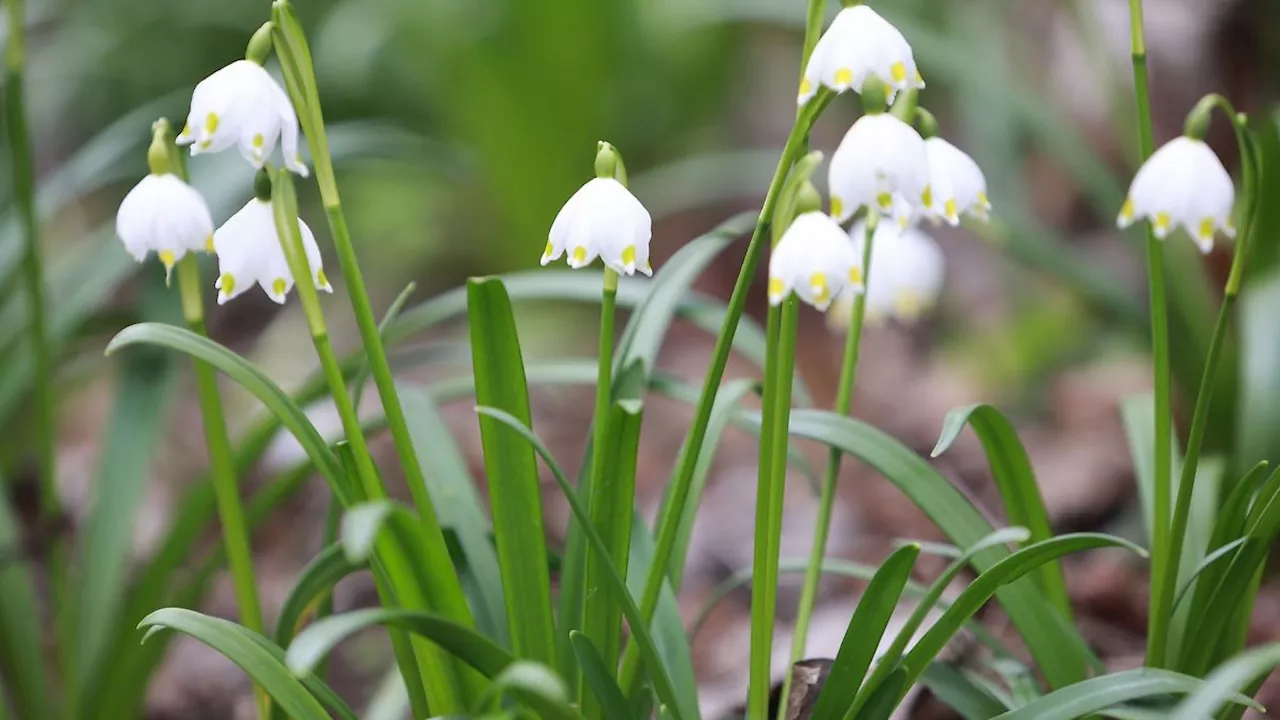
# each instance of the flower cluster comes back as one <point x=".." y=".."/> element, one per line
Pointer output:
<point x="240" y="106"/>
<point x="883" y="168"/>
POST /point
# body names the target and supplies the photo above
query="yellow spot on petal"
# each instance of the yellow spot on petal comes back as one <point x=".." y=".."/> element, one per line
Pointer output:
<point x="580" y="255"/>
<point x="919" y="79"/>
<point x="258" y="141"/>
<point x="1206" y="229"/>
<point x="208" y="244"/>
<point x="888" y="91"/>
<point x="885" y="201"/>
<point x="278" y="285"/>
<point x="206" y="144"/>
<point x="984" y="202"/>
<point x="898" y="72"/>
<point x="806" y="87"/>
<point x="227" y="284"/>
<point x="186" y="132"/>
<point x="167" y="258"/>
<point x="211" y="123"/>
<point x="837" y="206"/>
<point x="855" y="275"/>
<point x="776" y="289"/>
<point x="821" y="291"/>
<point x="321" y="279"/>
<point x="907" y="305"/>
<point x="548" y="251"/>
<point x="1163" y="221"/>
<point x="629" y="256"/>
<point x="1126" y="211"/>
<point x="926" y="197"/>
<point x="844" y="77"/>
<point x="950" y="209"/>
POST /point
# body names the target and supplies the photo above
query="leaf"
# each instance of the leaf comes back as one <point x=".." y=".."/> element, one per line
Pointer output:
<point x="1204" y="565"/>
<point x="1060" y="656"/>
<point x="534" y="685"/>
<point x="360" y="378"/>
<point x="1259" y="405"/>
<point x="640" y="633"/>
<point x="316" y="580"/>
<point x="251" y="379"/>
<point x="599" y="678"/>
<point x="512" y="475"/>
<point x="960" y="694"/>
<point x="972" y="598"/>
<point x="862" y="637"/>
<point x="20" y="639"/>
<point x="1097" y="694"/>
<point x="1221" y="687"/>
<point x="1016" y="482"/>
<point x="1137" y="413"/>
<point x="459" y="506"/>
<point x="233" y="642"/>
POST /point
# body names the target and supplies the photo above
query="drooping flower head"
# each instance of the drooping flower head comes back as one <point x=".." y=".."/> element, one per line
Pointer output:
<point x="904" y="277"/>
<point x="249" y="251"/>
<point x="813" y="259"/>
<point x="879" y="157"/>
<point x="1182" y="183"/>
<point x="956" y="183"/>
<point x="163" y="214"/>
<point x="602" y="219"/>
<point x="242" y="106"/>
<point x="858" y="46"/>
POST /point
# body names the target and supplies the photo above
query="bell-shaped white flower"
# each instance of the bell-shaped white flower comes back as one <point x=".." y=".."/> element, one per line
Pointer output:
<point x="241" y="105"/>
<point x="814" y="259"/>
<point x="602" y="219"/>
<point x="249" y="251"/>
<point x="860" y="45"/>
<point x="904" y="278"/>
<point x="1182" y="183"/>
<point x="956" y="183"/>
<point x="165" y="215"/>
<point x="879" y="156"/>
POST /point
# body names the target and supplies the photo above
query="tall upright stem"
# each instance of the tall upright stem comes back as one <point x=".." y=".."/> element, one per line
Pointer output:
<point x="1157" y="621"/>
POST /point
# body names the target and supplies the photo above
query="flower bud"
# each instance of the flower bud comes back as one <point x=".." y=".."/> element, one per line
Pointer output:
<point x="259" y="48"/>
<point x="609" y="163"/>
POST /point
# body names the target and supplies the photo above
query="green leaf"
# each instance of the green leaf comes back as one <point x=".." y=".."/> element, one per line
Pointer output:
<point x="1259" y="406"/>
<point x="1137" y="413"/>
<point x="599" y="677"/>
<point x="534" y="685"/>
<point x="512" y="474"/>
<point x="1016" y="482"/>
<point x="1057" y="648"/>
<point x="640" y="633"/>
<point x="360" y="378"/>
<point x="1204" y="566"/>
<point x="251" y="379"/>
<point x="862" y="637"/>
<point x="1221" y="687"/>
<point x="459" y="506"/>
<point x="234" y="642"/>
<point x="886" y="697"/>
<point x="20" y="639"/>
<point x="972" y="598"/>
<point x="959" y="693"/>
<point x="1097" y="694"/>
<point x="316" y="580"/>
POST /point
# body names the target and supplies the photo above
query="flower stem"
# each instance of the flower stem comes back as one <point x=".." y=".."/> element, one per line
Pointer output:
<point x="23" y="175"/>
<point x="1158" y="617"/>
<point x="826" y="503"/>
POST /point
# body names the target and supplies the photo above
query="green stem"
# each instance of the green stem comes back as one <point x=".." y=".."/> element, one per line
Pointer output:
<point x="826" y="503"/>
<point x="600" y="635"/>
<point x="677" y="499"/>
<point x="23" y="174"/>
<point x="770" y="487"/>
<point x="1204" y="399"/>
<point x="1158" y="619"/>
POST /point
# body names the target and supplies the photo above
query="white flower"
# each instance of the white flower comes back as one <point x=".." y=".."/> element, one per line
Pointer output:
<point x="860" y="44"/>
<point x="814" y="259"/>
<point x="242" y="105"/>
<point x="163" y="214"/>
<point x="904" y="277"/>
<point x="879" y="156"/>
<point x="956" y="183"/>
<point x="249" y="251"/>
<point x="1182" y="183"/>
<point x="602" y="219"/>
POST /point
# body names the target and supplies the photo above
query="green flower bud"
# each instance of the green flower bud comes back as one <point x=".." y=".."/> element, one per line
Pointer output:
<point x="259" y="48"/>
<point x="874" y="95"/>
<point x="807" y="199"/>
<point x="609" y="163"/>
<point x="926" y="123"/>
<point x="158" y="153"/>
<point x="262" y="185"/>
<point x="1197" y="124"/>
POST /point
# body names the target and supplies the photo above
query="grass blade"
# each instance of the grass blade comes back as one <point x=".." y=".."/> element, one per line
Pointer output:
<point x="957" y="692"/>
<point x="862" y="637"/>
<point x="1097" y="694"/>
<point x="1016" y="482"/>
<point x="316" y="580"/>
<point x="599" y="677"/>
<point x="640" y="633"/>
<point x="534" y="685"/>
<point x="514" y="493"/>
<point x="20" y="641"/>
<point x="1222" y="686"/>
<point x="233" y="642"/>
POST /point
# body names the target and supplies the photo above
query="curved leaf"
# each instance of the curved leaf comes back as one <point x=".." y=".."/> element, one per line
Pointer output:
<point x="1097" y="694"/>
<point x="316" y="579"/>
<point x="1221" y="687"/>
<point x="957" y="692"/>
<point x="251" y="379"/>
<point x="1016" y="482"/>
<point x="234" y="642"/>
<point x="532" y="684"/>
<point x="599" y="678"/>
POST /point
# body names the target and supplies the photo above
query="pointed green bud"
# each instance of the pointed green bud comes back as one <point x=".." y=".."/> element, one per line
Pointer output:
<point x="926" y="123"/>
<point x="807" y="199"/>
<point x="609" y="163"/>
<point x="262" y="185"/>
<point x="874" y="95"/>
<point x="1197" y="124"/>
<point x="259" y="48"/>
<point x="158" y="152"/>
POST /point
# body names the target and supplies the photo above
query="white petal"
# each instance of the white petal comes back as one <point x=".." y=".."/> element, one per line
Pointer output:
<point x="164" y="214"/>
<point x="906" y="271"/>
<point x="248" y="249"/>
<point x="879" y="156"/>
<point x="814" y="259"/>
<point x="602" y="219"/>
<point x="314" y="259"/>
<point x="957" y="183"/>
<point x="858" y="44"/>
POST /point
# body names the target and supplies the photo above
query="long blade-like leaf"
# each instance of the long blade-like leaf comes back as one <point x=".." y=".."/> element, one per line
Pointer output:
<point x="316" y="580"/>
<point x="599" y="677"/>
<point x="1096" y="694"/>
<point x="20" y="656"/>
<point x="1222" y="686"/>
